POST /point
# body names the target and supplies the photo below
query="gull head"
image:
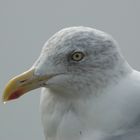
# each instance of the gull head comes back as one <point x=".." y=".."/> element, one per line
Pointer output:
<point x="73" y="61"/>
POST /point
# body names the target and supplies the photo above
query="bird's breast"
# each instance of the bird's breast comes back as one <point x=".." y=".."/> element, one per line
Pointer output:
<point x="65" y="119"/>
<point x="59" y="119"/>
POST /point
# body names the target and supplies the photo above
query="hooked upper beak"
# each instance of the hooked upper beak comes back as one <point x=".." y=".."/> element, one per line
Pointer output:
<point x="23" y="83"/>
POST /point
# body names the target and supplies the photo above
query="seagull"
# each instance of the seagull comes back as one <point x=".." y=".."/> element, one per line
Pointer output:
<point x="89" y="91"/>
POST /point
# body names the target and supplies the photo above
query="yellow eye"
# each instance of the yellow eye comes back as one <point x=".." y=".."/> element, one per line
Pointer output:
<point x="77" y="56"/>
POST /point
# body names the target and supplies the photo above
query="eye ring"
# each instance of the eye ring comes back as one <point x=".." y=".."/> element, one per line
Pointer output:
<point x="77" y="56"/>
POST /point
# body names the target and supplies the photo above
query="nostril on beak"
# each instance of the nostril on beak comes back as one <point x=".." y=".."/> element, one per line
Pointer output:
<point x="22" y="81"/>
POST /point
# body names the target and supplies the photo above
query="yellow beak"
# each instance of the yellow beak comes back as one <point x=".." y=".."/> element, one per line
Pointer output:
<point x="21" y="84"/>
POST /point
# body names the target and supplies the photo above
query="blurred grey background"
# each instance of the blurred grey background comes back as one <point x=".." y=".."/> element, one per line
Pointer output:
<point x="25" y="25"/>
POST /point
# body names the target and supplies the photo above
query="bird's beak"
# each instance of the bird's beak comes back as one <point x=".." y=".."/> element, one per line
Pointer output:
<point x="21" y="84"/>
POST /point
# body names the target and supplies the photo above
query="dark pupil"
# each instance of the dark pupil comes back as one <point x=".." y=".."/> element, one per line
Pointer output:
<point x="77" y="55"/>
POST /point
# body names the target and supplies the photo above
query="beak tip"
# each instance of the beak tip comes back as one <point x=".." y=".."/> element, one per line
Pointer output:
<point x="3" y="100"/>
<point x="11" y="96"/>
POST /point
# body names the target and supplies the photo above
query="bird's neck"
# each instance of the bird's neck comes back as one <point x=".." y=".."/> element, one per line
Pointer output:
<point x="97" y="84"/>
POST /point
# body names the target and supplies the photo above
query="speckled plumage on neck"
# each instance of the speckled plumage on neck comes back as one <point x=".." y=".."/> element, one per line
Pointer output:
<point x="103" y="63"/>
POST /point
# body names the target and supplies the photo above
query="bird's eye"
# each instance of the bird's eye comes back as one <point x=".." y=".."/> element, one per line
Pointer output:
<point x="77" y="56"/>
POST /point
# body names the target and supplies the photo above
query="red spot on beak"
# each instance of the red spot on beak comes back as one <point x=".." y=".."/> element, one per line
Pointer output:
<point x="15" y="95"/>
